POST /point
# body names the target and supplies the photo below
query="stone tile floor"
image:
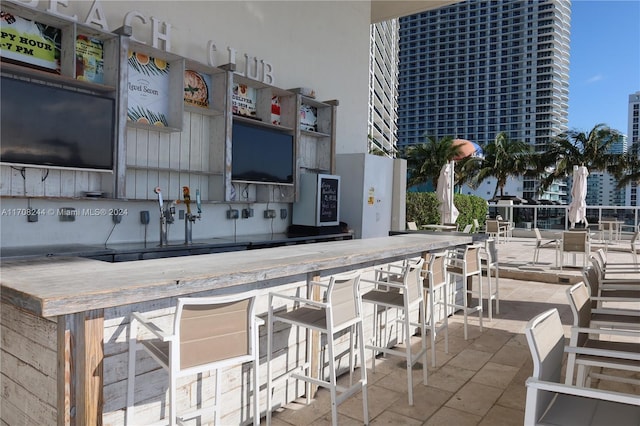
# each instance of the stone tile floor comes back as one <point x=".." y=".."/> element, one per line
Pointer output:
<point x="481" y="381"/>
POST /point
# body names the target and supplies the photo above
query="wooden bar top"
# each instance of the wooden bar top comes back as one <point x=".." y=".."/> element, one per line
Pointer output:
<point x="51" y="286"/>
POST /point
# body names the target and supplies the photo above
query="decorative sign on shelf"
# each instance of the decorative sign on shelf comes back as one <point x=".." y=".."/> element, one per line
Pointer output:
<point x="148" y="90"/>
<point x="275" y="110"/>
<point x="308" y="118"/>
<point x="89" y="59"/>
<point x="196" y="89"/>
<point x="243" y="100"/>
<point x="30" y="42"/>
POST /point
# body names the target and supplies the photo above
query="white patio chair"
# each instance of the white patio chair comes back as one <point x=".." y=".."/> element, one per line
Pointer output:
<point x="401" y="290"/>
<point x="549" y="402"/>
<point x="412" y="226"/>
<point x="600" y="296"/>
<point x="575" y="242"/>
<point x="489" y="261"/>
<point x="342" y="311"/>
<point x="436" y="289"/>
<point x="540" y="243"/>
<point x="496" y="230"/>
<point x="586" y="350"/>
<point x="208" y="333"/>
<point x="467" y="229"/>
<point x="464" y="262"/>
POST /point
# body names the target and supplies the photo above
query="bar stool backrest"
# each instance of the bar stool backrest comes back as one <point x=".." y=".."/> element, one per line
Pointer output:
<point x="545" y="336"/>
<point x="343" y="297"/>
<point x="438" y="269"/>
<point x="591" y="279"/>
<point x="491" y="226"/>
<point x="413" y="279"/>
<point x="472" y="259"/>
<point x="575" y="241"/>
<point x="492" y="250"/>
<point x="210" y="332"/>
<point x="580" y="304"/>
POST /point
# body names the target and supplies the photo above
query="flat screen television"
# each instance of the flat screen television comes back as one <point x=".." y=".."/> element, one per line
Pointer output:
<point x="50" y="126"/>
<point x="261" y="154"/>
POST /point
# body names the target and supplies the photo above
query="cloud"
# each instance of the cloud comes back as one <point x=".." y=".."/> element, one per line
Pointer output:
<point x="595" y="78"/>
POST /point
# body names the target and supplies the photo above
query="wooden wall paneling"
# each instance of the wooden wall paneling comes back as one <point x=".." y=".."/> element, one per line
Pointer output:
<point x="5" y="180"/>
<point x="142" y="148"/>
<point x="28" y="367"/>
<point x="65" y="369"/>
<point x="195" y="142"/>
<point x="33" y="181"/>
<point x="124" y="134"/>
<point x="52" y="183"/>
<point x="174" y="159"/>
<point x="164" y="146"/>
<point x="89" y="361"/>
<point x="153" y="162"/>
<point x="17" y="182"/>
<point x="81" y="183"/>
<point x="141" y="185"/>
<point x="67" y="183"/>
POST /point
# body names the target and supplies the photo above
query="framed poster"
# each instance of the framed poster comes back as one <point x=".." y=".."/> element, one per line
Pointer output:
<point x="89" y="59"/>
<point x="197" y="89"/>
<point x="243" y="100"/>
<point x="148" y="90"/>
<point x="30" y="42"/>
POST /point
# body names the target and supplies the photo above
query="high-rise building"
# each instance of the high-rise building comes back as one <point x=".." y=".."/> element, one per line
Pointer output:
<point x="477" y="68"/>
<point x="633" y="135"/>
<point x="602" y="186"/>
<point x="383" y="87"/>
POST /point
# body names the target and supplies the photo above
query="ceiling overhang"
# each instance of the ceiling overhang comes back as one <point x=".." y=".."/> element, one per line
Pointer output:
<point x="383" y="10"/>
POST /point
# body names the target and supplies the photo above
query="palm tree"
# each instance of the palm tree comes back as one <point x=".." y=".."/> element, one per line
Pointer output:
<point x="577" y="148"/>
<point x="503" y="158"/>
<point x="630" y="171"/>
<point x="425" y="160"/>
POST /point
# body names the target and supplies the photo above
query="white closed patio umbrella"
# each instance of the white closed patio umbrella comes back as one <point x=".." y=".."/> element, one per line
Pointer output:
<point x="578" y="205"/>
<point x="444" y="191"/>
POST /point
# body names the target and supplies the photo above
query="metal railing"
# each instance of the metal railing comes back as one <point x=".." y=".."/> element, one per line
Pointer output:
<point x="555" y="217"/>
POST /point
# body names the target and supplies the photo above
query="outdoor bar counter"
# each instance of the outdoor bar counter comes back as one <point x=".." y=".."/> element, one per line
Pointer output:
<point x="64" y="319"/>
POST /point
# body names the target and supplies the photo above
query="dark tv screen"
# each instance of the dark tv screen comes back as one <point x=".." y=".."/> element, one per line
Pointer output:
<point x="51" y="126"/>
<point x="261" y="154"/>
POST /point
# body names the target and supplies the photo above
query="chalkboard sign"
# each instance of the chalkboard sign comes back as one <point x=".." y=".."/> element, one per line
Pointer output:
<point x="329" y="199"/>
<point x="319" y="202"/>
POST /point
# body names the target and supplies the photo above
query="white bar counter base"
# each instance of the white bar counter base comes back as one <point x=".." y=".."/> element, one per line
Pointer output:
<point x="64" y="319"/>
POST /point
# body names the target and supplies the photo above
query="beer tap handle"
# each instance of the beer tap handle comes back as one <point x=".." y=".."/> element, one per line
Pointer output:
<point x="198" y="202"/>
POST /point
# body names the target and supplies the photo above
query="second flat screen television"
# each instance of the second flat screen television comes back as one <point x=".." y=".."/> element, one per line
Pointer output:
<point x="261" y="155"/>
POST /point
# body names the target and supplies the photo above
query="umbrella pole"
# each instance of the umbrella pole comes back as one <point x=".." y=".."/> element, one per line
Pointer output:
<point x="453" y="190"/>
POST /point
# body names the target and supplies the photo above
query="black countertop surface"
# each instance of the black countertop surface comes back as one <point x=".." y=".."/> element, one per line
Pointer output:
<point x="151" y="250"/>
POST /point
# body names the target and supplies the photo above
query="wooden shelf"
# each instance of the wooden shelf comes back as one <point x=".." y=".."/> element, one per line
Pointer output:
<point x="11" y="68"/>
<point x="173" y="170"/>
<point x="261" y="123"/>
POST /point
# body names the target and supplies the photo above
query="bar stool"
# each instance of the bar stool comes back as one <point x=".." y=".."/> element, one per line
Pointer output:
<point x="209" y="333"/>
<point x="435" y="286"/>
<point x="464" y="262"/>
<point x="489" y="260"/>
<point x="341" y="310"/>
<point x="400" y="289"/>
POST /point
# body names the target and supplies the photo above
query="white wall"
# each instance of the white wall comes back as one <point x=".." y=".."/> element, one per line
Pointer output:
<point x="316" y="44"/>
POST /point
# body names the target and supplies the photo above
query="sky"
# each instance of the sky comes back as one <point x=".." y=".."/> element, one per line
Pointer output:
<point x="604" y="65"/>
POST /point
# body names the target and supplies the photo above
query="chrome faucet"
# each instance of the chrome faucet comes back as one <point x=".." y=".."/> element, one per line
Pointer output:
<point x="167" y="216"/>
<point x="190" y="218"/>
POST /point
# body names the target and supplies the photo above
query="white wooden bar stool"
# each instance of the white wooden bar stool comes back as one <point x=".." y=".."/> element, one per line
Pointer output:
<point x="208" y="333"/>
<point x="436" y="289"/>
<point x="464" y="262"/>
<point x="341" y="311"/>
<point x="400" y="288"/>
<point x="489" y="260"/>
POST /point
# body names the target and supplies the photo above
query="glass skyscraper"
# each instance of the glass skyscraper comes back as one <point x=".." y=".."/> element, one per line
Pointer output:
<point x="477" y="68"/>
